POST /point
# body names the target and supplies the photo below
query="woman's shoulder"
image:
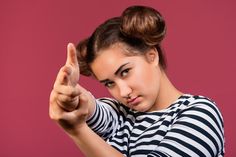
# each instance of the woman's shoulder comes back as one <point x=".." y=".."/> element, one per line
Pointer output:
<point x="198" y="118"/>
<point x="190" y="100"/>
<point x="195" y="106"/>
<point x="192" y="105"/>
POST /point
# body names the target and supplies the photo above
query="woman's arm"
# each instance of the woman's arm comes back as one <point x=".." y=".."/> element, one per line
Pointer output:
<point x="197" y="131"/>
<point x="92" y="145"/>
<point x="108" y="117"/>
<point x="71" y="105"/>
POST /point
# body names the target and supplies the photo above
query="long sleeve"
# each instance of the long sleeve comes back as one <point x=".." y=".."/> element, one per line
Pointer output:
<point x="108" y="117"/>
<point x="197" y="131"/>
<point x="191" y="126"/>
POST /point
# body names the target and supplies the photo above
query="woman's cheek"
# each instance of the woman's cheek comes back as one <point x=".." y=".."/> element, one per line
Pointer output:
<point x="142" y="77"/>
<point x="115" y="94"/>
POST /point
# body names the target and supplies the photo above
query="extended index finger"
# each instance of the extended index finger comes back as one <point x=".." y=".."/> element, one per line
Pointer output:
<point x="71" y="55"/>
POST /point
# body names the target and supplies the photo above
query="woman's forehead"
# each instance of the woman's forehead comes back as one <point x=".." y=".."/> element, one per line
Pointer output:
<point x="109" y="60"/>
<point x="123" y="48"/>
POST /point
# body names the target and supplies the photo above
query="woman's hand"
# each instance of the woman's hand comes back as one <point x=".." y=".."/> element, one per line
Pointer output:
<point x="70" y="104"/>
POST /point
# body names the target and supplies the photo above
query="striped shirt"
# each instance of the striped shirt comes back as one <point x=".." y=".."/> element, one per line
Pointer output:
<point x="191" y="126"/>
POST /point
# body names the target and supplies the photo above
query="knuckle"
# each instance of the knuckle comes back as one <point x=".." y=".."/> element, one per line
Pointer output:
<point x="84" y="97"/>
<point x="52" y="97"/>
<point x="55" y="115"/>
<point x="73" y="93"/>
<point x="67" y="99"/>
<point x="62" y="98"/>
<point x="70" y="91"/>
<point x="62" y="68"/>
<point x="52" y="115"/>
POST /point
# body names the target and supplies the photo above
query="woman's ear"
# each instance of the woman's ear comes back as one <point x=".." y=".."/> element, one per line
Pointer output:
<point x="152" y="56"/>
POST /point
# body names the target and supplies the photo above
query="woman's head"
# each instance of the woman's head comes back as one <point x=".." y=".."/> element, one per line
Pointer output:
<point x="138" y="30"/>
<point x="124" y="53"/>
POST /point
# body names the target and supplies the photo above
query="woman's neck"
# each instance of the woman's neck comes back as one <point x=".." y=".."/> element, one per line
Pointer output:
<point x="167" y="93"/>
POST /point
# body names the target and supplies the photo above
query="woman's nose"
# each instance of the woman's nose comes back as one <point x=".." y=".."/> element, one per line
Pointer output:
<point x="125" y="89"/>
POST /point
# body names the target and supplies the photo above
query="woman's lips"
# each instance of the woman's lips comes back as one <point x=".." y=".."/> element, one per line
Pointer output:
<point x="134" y="101"/>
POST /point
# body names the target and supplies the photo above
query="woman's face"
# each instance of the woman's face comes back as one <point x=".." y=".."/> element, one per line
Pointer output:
<point x="132" y="80"/>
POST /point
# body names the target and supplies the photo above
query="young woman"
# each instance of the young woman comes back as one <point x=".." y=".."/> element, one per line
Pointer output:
<point x="148" y="116"/>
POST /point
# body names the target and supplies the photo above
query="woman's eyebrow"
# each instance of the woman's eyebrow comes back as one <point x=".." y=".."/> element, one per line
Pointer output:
<point x="120" y="68"/>
<point x="104" y="81"/>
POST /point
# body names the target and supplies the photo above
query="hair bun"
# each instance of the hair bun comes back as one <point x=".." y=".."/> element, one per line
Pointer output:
<point x="81" y="50"/>
<point x="144" y="23"/>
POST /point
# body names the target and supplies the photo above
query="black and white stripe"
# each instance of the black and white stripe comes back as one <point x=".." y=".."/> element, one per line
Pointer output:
<point x="191" y="126"/>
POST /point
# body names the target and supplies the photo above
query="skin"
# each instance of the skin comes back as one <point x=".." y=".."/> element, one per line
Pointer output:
<point x="70" y="105"/>
<point x="137" y="81"/>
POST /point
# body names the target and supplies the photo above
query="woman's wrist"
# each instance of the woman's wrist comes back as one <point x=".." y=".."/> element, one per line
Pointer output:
<point x="89" y="143"/>
<point x="78" y="131"/>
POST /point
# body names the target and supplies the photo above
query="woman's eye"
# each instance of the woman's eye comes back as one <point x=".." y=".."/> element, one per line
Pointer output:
<point x="125" y="72"/>
<point x="109" y="84"/>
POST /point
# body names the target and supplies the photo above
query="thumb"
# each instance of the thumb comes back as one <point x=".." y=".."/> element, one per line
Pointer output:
<point x="83" y="99"/>
<point x="82" y="110"/>
<point x="71" y="55"/>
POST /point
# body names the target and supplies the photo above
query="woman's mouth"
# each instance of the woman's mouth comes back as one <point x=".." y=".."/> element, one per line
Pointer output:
<point x="134" y="101"/>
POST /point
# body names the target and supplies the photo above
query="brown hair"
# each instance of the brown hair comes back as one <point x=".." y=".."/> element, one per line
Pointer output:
<point x="140" y="28"/>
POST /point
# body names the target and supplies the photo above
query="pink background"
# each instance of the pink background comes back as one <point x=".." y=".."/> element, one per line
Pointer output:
<point x="200" y="48"/>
